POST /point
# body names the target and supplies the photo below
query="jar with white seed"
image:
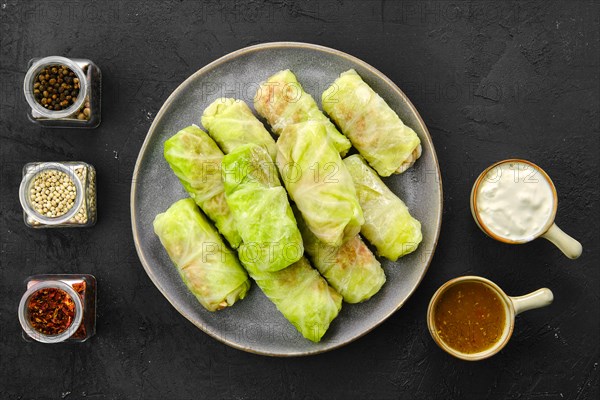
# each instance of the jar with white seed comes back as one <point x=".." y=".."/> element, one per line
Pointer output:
<point x="58" y="194"/>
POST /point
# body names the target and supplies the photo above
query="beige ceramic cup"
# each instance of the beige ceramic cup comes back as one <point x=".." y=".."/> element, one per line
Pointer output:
<point x="512" y="307"/>
<point x="569" y="246"/>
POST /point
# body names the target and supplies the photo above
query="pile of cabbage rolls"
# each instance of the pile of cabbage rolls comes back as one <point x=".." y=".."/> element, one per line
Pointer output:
<point x="284" y="207"/>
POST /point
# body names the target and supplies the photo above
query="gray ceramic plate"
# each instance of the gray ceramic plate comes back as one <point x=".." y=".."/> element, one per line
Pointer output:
<point x="254" y="324"/>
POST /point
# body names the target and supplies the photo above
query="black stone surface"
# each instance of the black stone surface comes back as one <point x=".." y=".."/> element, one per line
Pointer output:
<point x="491" y="80"/>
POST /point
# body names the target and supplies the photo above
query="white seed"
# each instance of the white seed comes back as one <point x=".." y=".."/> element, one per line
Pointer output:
<point x="53" y="193"/>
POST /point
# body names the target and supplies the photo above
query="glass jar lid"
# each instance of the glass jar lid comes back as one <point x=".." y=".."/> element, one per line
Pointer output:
<point x="27" y="183"/>
<point x="30" y="80"/>
<point x="34" y="333"/>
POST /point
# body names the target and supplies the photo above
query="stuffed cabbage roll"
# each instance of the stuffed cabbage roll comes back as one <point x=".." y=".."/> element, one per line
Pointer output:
<point x="372" y="126"/>
<point x="351" y="268"/>
<point x="282" y="102"/>
<point x="231" y="123"/>
<point x="270" y="237"/>
<point x="388" y="223"/>
<point x="196" y="160"/>
<point x="302" y="296"/>
<point x="207" y="267"/>
<point x="319" y="183"/>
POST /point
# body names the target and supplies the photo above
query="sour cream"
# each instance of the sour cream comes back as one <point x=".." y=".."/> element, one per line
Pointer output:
<point x="515" y="201"/>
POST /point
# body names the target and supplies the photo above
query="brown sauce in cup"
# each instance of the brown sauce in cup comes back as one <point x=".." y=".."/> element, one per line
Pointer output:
<point x="469" y="317"/>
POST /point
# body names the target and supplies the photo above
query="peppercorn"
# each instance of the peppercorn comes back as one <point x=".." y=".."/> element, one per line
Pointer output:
<point x="56" y="79"/>
<point x="52" y="193"/>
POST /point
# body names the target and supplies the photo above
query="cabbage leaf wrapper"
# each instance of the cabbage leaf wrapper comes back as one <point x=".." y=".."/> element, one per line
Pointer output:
<point x="319" y="183"/>
<point x="196" y="160"/>
<point x="206" y="265"/>
<point x="351" y="268"/>
<point x="379" y="135"/>
<point x="282" y="101"/>
<point x="388" y="223"/>
<point x="302" y="296"/>
<point x="231" y="124"/>
<point x="270" y="237"/>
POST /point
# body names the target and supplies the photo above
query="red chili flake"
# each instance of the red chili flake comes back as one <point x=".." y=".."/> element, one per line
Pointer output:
<point x="51" y="311"/>
<point x="80" y="289"/>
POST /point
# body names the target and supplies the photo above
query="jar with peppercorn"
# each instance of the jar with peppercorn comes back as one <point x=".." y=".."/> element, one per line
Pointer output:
<point x="59" y="308"/>
<point x="63" y="92"/>
<point x="58" y="194"/>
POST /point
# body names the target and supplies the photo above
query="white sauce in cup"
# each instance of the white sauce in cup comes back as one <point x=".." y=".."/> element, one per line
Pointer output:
<point x="515" y="201"/>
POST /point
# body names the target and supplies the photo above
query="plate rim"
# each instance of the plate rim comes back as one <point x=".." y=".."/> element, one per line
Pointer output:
<point x="232" y="55"/>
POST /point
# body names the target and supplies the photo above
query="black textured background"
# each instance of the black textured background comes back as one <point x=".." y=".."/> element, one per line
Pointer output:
<point x="492" y="80"/>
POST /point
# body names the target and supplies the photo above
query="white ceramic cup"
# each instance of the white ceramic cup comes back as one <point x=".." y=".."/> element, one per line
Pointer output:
<point x="569" y="246"/>
<point x="512" y="307"/>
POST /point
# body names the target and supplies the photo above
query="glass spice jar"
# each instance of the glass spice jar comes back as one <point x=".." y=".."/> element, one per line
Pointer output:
<point x="59" y="308"/>
<point x="80" y="111"/>
<point x="58" y="194"/>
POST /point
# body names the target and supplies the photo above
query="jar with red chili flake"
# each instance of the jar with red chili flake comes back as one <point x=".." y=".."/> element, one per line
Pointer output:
<point x="58" y="308"/>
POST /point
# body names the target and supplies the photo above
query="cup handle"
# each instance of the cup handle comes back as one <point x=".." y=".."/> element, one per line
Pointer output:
<point x="569" y="246"/>
<point x="538" y="299"/>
